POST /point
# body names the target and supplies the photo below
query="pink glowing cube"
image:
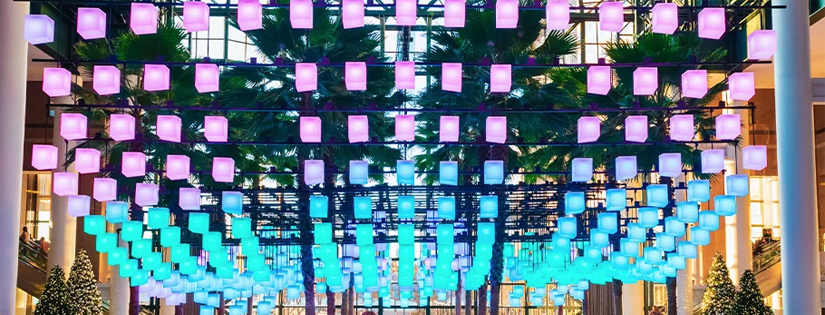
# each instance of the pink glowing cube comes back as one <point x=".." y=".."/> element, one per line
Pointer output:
<point x="635" y="128"/>
<point x="143" y="18"/>
<point x="557" y="14"/>
<point x="168" y="128"/>
<point x="91" y="23"/>
<point x="681" y="128"/>
<point x="589" y="129"/>
<point x="755" y="157"/>
<point x="496" y="129"/>
<point x="712" y="23"/>
<point x="207" y="77"/>
<point x="358" y="128"/>
<point x="313" y="172"/>
<point x="106" y="80"/>
<point x="507" y="13"/>
<point x="86" y="160"/>
<point x="741" y="86"/>
<point x="133" y="164"/>
<point x="104" y="189"/>
<point x="355" y="76"/>
<point x="146" y="194"/>
<point x="300" y="14"/>
<point x="455" y="12"/>
<point x="451" y="76"/>
<point x="665" y="18"/>
<point x="728" y="126"/>
<point x="79" y="205"/>
<point x="405" y="128"/>
<point x="44" y="157"/>
<point x="448" y="129"/>
<point x="73" y="126"/>
<point x="121" y="127"/>
<point x="57" y="82"/>
<point x="215" y="128"/>
<point x="156" y="78"/>
<point x="352" y="13"/>
<point x="223" y="169"/>
<point x="65" y="183"/>
<point x="599" y="80"/>
<point x="189" y="198"/>
<point x="713" y="161"/>
<point x="306" y="77"/>
<point x="310" y="129"/>
<point x="645" y="81"/>
<point x="177" y="167"/>
<point x="405" y="12"/>
<point x="611" y="16"/>
<point x="195" y="16"/>
<point x="761" y="44"/>
<point x="405" y="75"/>
<point x="501" y="77"/>
<point x="38" y="29"/>
<point x="695" y="83"/>
<point x="250" y="15"/>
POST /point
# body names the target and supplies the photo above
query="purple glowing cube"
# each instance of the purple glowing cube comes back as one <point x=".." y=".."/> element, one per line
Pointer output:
<point x="104" y="189"/>
<point x="496" y="130"/>
<point x="177" y="167"/>
<point x="57" y="82"/>
<point x="156" y="78"/>
<point x="73" y="126"/>
<point x="79" y="205"/>
<point x="195" y="16"/>
<point x="611" y="16"/>
<point x="741" y="86"/>
<point x="681" y="128"/>
<point x="713" y="161"/>
<point x="207" y="77"/>
<point x="670" y="164"/>
<point x="223" y="169"/>
<point x="143" y="18"/>
<point x="665" y="18"/>
<point x="589" y="129"/>
<point x="301" y="14"/>
<point x="451" y="76"/>
<point x="626" y="167"/>
<point x="106" y="80"/>
<point x="38" y="29"/>
<point x="557" y="14"/>
<point x="358" y="128"/>
<point x="635" y="128"/>
<point x="310" y="129"/>
<point x="65" y="183"/>
<point x="448" y="129"/>
<point x="306" y="77"/>
<point x="44" y="157"/>
<point x="133" y="164"/>
<point x="712" y="23"/>
<point x="121" y="127"/>
<point x="501" y="77"/>
<point x="405" y="12"/>
<point x="507" y="13"/>
<point x="313" y="172"/>
<point x="355" y="76"/>
<point x="189" y="198"/>
<point x="728" y="126"/>
<point x="168" y="128"/>
<point x="582" y="169"/>
<point x="91" y="23"/>
<point x="405" y="128"/>
<point x="761" y="44"/>
<point x="645" y="81"/>
<point x="695" y="83"/>
<point x="454" y="13"/>
<point x="250" y="15"/>
<point x="215" y="128"/>
<point x="405" y="75"/>
<point x="755" y="157"/>
<point x="87" y="160"/>
<point x="599" y="80"/>
<point x="352" y="13"/>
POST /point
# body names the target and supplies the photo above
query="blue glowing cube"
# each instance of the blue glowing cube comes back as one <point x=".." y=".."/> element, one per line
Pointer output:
<point x="626" y="167"/>
<point x="488" y="206"/>
<point x="198" y="222"/>
<point x="676" y="262"/>
<point x="607" y="222"/>
<point x="117" y="256"/>
<point x="648" y="217"/>
<point x="493" y="172"/>
<point x="170" y="236"/>
<point x="593" y="254"/>
<point x="141" y="248"/>
<point x="406" y="234"/>
<point x="128" y="268"/>
<point x="567" y="227"/>
<point x="446" y="234"/>
<point x="406" y="207"/>
<point x="636" y="233"/>
<point x="209" y="310"/>
<point x="131" y="230"/>
<point x="699" y="236"/>
<point x="737" y="185"/>
<point x="725" y="205"/>
<point x="162" y="272"/>
<point x="665" y="242"/>
<point x="158" y="218"/>
<point x="653" y="255"/>
<point x="686" y="249"/>
<point x="318" y="206"/>
<point x="105" y="242"/>
<point x="363" y="234"/>
<point x="674" y="227"/>
<point x="362" y="207"/>
<point x="323" y="232"/>
<point x="616" y="199"/>
<point x="619" y="260"/>
<point x="359" y="172"/>
<point x="405" y="172"/>
<point x="687" y="211"/>
<point x="446" y="208"/>
<point x="212" y="241"/>
<point x="670" y="164"/>
<point x="94" y="224"/>
<point x="486" y="232"/>
<point x="249" y="246"/>
<point x="582" y="169"/>
<point x="657" y="195"/>
<point x="232" y="202"/>
<point x="448" y="173"/>
<point x="241" y="227"/>
<point x="708" y="220"/>
<point x="117" y="212"/>
<point x="180" y="253"/>
<point x="698" y="190"/>
<point x="152" y="261"/>
<point x="628" y="248"/>
<point x="140" y="278"/>
<point x="599" y="238"/>
<point x="574" y="202"/>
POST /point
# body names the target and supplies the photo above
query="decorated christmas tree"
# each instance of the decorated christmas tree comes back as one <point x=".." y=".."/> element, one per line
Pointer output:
<point x="55" y="298"/>
<point x="82" y="285"/>
<point x="720" y="292"/>
<point x="749" y="299"/>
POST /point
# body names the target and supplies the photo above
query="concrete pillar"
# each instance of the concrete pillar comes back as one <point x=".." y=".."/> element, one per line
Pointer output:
<point x="738" y="247"/>
<point x="633" y="299"/>
<point x="118" y="288"/>
<point x="795" y="159"/>
<point x="684" y="291"/>
<point x="63" y="230"/>
<point x="14" y="51"/>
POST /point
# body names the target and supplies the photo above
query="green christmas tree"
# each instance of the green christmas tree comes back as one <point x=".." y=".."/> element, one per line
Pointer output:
<point x="720" y="292"/>
<point x="55" y="299"/>
<point x="749" y="299"/>
<point x="82" y="285"/>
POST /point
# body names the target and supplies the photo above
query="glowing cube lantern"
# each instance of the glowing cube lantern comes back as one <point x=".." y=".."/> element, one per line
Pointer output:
<point x="628" y="248"/>
<point x="406" y="12"/>
<point x="131" y="231"/>
<point x="405" y="172"/>
<point x="91" y="23"/>
<point x="358" y="172"/>
<point x="177" y="167"/>
<point x="158" y="218"/>
<point x="448" y="173"/>
<point x="670" y="164"/>
<point x="448" y="129"/>
<point x="665" y="18"/>
<point x="146" y="194"/>
<point x="589" y="129"/>
<point x="741" y="86"/>
<point x="133" y="164"/>
<point x="141" y="247"/>
<point x="310" y="129"/>
<point x="493" y="172"/>
<point x="362" y="207"/>
<point x="728" y="126"/>
<point x="635" y="128"/>
<point x="611" y="16"/>
<point x="636" y="232"/>
<point x="106" y="242"/>
<point x="363" y="234"/>
<point x="713" y="161"/>
<point x="599" y="238"/>
<point x="241" y="227"/>
<point x="626" y="167"/>
<point x="323" y="233"/>
<point x="708" y="220"/>
<point x="57" y="82"/>
<point x="44" y="157"/>
<point x="695" y="83"/>
<point x="405" y="75"/>
<point x="699" y="236"/>
<point x="117" y="212"/>
<point x="352" y="13"/>
<point x="567" y="227"/>
<point x="38" y="29"/>
<point x="599" y="80"/>
<point x="489" y="206"/>
<point x="648" y="217"/>
<point x="94" y="225"/>
<point x="358" y="128"/>
<point x="168" y="128"/>
<point x="406" y="207"/>
<point x="306" y="77"/>
<point x="446" y="208"/>
<point x="64" y="183"/>
<point x="73" y="126"/>
<point x="318" y="206"/>
<point x="454" y="13"/>
<point x="501" y="77"/>
<point x="215" y="128"/>
<point x="665" y="242"/>
<point x="557" y="15"/>
<point x="736" y="185"/>
<point x="313" y="172"/>
<point x="653" y="255"/>
<point x="686" y="249"/>
<point x="755" y="157"/>
<point x="250" y="15"/>
<point x="681" y="127"/>
<point x="645" y="80"/>
<point x="207" y="77"/>
<point x="405" y="127"/>
<point x="674" y="227"/>
<point x="687" y="211"/>
<point x="712" y="23"/>
<point x="355" y="76"/>
<point x="199" y="222"/>
<point x="574" y="202"/>
<point x="195" y="16"/>
<point x="79" y="205"/>
<point x="582" y="169"/>
<point x="143" y="18"/>
<point x="698" y="190"/>
<point x="507" y="13"/>
<point x="657" y="195"/>
<point x="761" y="44"/>
<point x="189" y="198"/>
<point x="451" y="76"/>
<point x="616" y="199"/>
<point x="725" y="205"/>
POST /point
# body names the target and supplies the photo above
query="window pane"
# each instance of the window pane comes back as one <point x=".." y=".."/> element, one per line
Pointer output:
<point x="756" y="213"/>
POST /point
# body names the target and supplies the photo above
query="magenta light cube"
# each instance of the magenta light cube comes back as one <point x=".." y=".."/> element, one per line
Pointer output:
<point x="146" y="194"/>
<point x="681" y="128"/>
<point x="65" y="183"/>
<point x="250" y="15"/>
<point x="306" y="77"/>
<point x="310" y="129"/>
<point x="670" y="164"/>
<point x="215" y="128"/>
<point x="57" y="82"/>
<point x="665" y="18"/>
<point x="599" y="80"/>
<point x="38" y="29"/>
<point x="557" y="14"/>
<point x="91" y="23"/>
<point x="713" y="161"/>
<point x="352" y="13"/>
<point x="695" y="83"/>
<point x="448" y="129"/>
<point x="728" y="126"/>
<point x="755" y="157"/>
<point x="73" y="126"/>
<point x="635" y="128"/>
<point x="611" y="16"/>
<point x="313" y="172"/>
<point x="761" y="44"/>
<point x="455" y="12"/>
<point x="582" y="169"/>
<point x="645" y="81"/>
<point x="104" y="189"/>
<point x="300" y="14"/>
<point x="405" y="75"/>
<point x="106" y="80"/>
<point x="405" y="127"/>
<point x="741" y="86"/>
<point x="177" y="167"/>
<point x="501" y="77"/>
<point x="355" y="76"/>
<point x="79" y="205"/>
<point x="588" y="129"/>
<point x="405" y="12"/>
<point x="207" y="77"/>
<point x="195" y="16"/>
<point x="451" y="76"/>
<point x="86" y="160"/>
<point x="168" y="128"/>
<point x="133" y="164"/>
<point x="223" y="169"/>
<point x="156" y="78"/>
<point x="143" y="18"/>
<point x="189" y="198"/>
<point x="496" y="130"/>
<point x="121" y="127"/>
<point x="358" y="128"/>
<point x="506" y="13"/>
<point x="712" y="23"/>
<point x="44" y="157"/>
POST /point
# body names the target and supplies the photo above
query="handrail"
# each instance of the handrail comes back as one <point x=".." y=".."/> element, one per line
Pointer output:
<point x="769" y="256"/>
<point x="33" y="255"/>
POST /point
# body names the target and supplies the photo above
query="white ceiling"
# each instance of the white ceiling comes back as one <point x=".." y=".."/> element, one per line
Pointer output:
<point x="764" y="72"/>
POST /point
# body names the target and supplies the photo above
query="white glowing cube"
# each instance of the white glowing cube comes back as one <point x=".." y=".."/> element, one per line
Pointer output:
<point x="501" y="77"/>
<point x="195" y="16"/>
<point x="57" y="82"/>
<point x="448" y="173"/>
<point x="207" y="77"/>
<point x="451" y="76"/>
<point x="38" y="29"/>
<point x="223" y="169"/>
<point x="44" y="157"/>
<point x="454" y="13"/>
<point x="599" y="80"/>
<point x="728" y="126"/>
<point x="313" y="172"/>
<point x="645" y="80"/>
<point x="352" y="13"/>
<point x="143" y="18"/>
<point x="133" y="164"/>
<point x="681" y="127"/>
<point x="698" y="190"/>
<point x="755" y="157"/>
<point x="310" y="129"/>
<point x="493" y="172"/>
<point x="626" y="167"/>
<point x="250" y="15"/>
<point x="648" y="217"/>
<point x="741" y="86"/>
<point x="582" y="169"/>
<point x="695" y="83"/>
<point x="79" y="205"/>
<point x="168" y="128"/>
<point x="496" y="129"/>
<point x="87" y="160"/>
<point x="156" y="78"/>
<point x="65" y="183"/>
<point x="301" y="14"/>
<point x="507" y="13"/>
<point x="761" y="44"/>
<point x="104" y="189"/>
<point x="358" y="128"/>
<point x="665" y="18"/>
<point x="306" y="77"/>
<point x="448" y="129"/>
<point x="405" y="12"/>
<point x="712" y="23"/>
<point x="611" y="16"/>
<point x="636" y="128"/>
<point x="557" y="15"/>
<point x="670" y="164"/>
<point x="589" y="129"/>
<point x="146" y="194"/>
<point x="713" y="161"/>
<point x="91" y="23"/>
<point x="355" y="76"/>
<point x="73" y="126"/>
<point x="405" y="128"/>
<point x="359" y="173"/>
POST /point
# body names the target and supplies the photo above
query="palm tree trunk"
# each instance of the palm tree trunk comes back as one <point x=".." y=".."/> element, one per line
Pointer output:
<point x="458" y="296"/>
<point x="482" y="299"/>
<point x="617" y="297"/>
<point x="330" y="302"/>
<point x="497" y="261"/>
<point x="468" y="302"/>
<point x="671" y="296"/>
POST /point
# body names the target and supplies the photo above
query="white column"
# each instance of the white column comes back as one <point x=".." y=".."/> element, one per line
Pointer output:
<point x="795" y="158"/>
<point x="118" y="288"/>
<point x="738" y="247"/>
<point x="166" y="309"/>
<point x="14" y="51"/>
<point x="633" y="299"/>
<point x="684" y="291"/>
<point x="63" y="230"/>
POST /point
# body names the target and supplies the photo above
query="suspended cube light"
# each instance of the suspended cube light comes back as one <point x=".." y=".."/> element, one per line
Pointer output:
<point x="635" y="128"/>
<point x="645" y="80"/>
<point x="121" y="127"/>
<point x="446" y="208"/>
<point x="104" y="189"/>
<point x="405" y="128"/>
<point x="141" y="247"/>
<point x="195" y="16"/>
<point x="653" y="255"/>
<point x="574" y="202"/>
<point x="648" y="217"/>
<point x="318" y="206"/>
<point x="695" y="83"/>
<point x="250" y="15"/>
<point x="358" y="128"/>
<point x="199" y="223"/>
<point x="362" y="207"/>
<point x="168" y="128"/>
<point x="636" y="233"/>
<point x="616" y="199"/>
<point x="406" y="207"/>
<point x="65" y="183"/>
<point x="567" y="227"/>
<point x="363" y="234"/>
<point x="158" y="218"/>
<point x="599" y="80"/>
<point x="681" y="127"/>
<point x="628" y="248"/>
<point x="207" y="77"/>
<point x="712" y="23"/>
<point x="686" y="249"/>
<point x="589" y="129"/>
<point x="79" y="205"/>
<point x="313" y="172"/>
<point x="306" y="76"/>
<point x="657" y="195"/>
<point x="665" y="18"/>
<point x="448" y="173"/>
<point x="322" y="233"/>
<point x="501" y="77"/>
<point x="736" y="185"/>
<point x="626" y="167"/>
<point x="146" y="194"/>
<point x="352" y="13"/>
<point x="57" y="82"/>
<point x="665" y="242"/>
<point x="310" y="129"/>
<point x="223" y="169"/>
<point x="687" y="211"/>
<point x="106" y="242"/>
<point x="405" y="75"/>
<point x="87" y="160"/>
<point x="611" y="16"/>
<point x="755" y="157"/>
<point x="674" y="227"/>
<point x="241" y="227"/>
<point x="713" y="161"/>
<point x="94" y="225"/>
<point x="405" y="172"/>
<point x="143" y="18"/>
<point x="448" y="129"/>
<point x="355" y="76"/>
<point x="91" y="23"/>
<point x="557" y="15"/>
<point x="73" y="126"/>
<point x="489" y="206"/>
<point x="38" y="29"/>
<point x="507" y="13"/>
<point x="133" y="164"/>
<point x="741" y="86"/>
<point x="405" y="12"/>
<point x="358" y="172"/>
<point x="493" y="172"/>
<point x="761" y="44"/>
<point x="699" y="236"/>
<point x="582" y="169"/>
<point x="44" y="157"/>
<point x="301" y="14"/>
<point x="117" y="212"/>
<point x="670" y="164"/>
<point x="698" y="190"/>
<point x="232" y="202"/>
<point x="451" y="76"/>
<point x="215" y="128"/>
<point x="454" y="13"/>
<point x="599" y="239"/>
<point x="177" y="167"/>
<point x="728" y="126"/>
<point x="131" y="231"/>
<point x="708" y="220"/>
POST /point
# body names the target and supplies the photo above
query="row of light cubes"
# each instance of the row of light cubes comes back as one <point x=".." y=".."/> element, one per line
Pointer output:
<point x="74" y="126"/>
<point x="694" y="82"/>
<point x="314" y="172"/>
<point x="728" y="127"/>
<point x="358" y="128"/>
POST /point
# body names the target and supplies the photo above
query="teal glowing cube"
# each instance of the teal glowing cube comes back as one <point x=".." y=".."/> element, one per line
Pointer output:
<point x="405" y="172"/>
<point x="699" y="236"/>
<point x="674" y="227"/>
<point x="241" y="227"/>
<point x="686" y="249"/>
<point x="249" y="246"/>
<point x="446" y="208"/>
<point x="94" y="224"/>
<point x="128" y="268"/>
<point x="567" y="227"/>
<point x="117" y="256"/>
<point x="607" y="222"/>
<point x="158" y="218"/>
<point x="616" y="199"/>
<point x="636" y="233"/>
<point x="488" y="207"/>
<point x="698" y="190"/>
<point x="599" y="238"/>
<point x="140" y="278"/>
<point x="198" y="222"/>
<point x="105" y="242"/>
<point x="687" y="211"/>
<point x="362" y="206"/>
<point x="574" y="202"/>
<point x="262" y="275"/>
<point x="232" y="202"/>
<point x="737" y="185"/>
<point x="594" y="254"/>
<point x="629" y="248"/>
<point x="620" y="261"/>
<point x="665" y="242"/>
<point x="225" y="272"/>
<point x="406" y="234"/>
<point x="131" y="230"/>
<point x="448" y="173"/>
<point x="493" y="172"/>
<point x="209" y="310"/>
<point x="162" y="272"/>
<point x="648" y="217"/>
<point x="725" y="205"/>
<point x="152" y="261"/>
<point x="180" y="253"/>
<point x="446" y="234"/>
<point x="170" y="236"/>
<point x="653" y="255"/>
<point x="363" y="234"/>
<point x="359" y="173"/>
<point x="486" y="232"/>
<point x="141" y="247"/>
<point x="212" y="241"/>
<point x="406" y="207"/>
<point x="484" y="251"/>
<point x="117" y="212"/>
<point x="708" y="220"/>
<point x="188" y="266"/>
<point x="323" y="233"/>
<point x="318" y="206"/>
<point x="657" y="196"/>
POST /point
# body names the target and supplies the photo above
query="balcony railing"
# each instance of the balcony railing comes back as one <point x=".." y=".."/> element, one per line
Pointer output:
<point x="33" y="255"/>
